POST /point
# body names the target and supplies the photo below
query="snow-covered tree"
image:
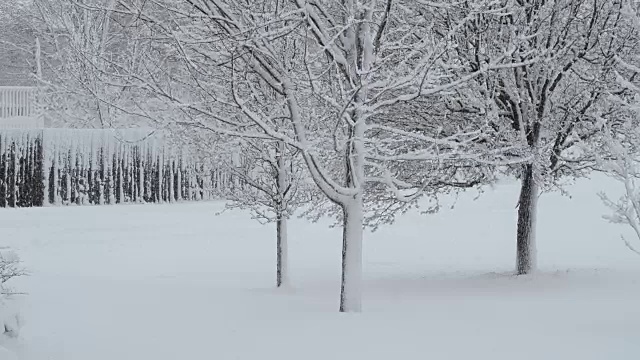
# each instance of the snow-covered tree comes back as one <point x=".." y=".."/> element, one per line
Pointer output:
<point x="551" y="106"/>
<point x="17" y="43"/>
<point x="78" y="42"/>
<point x="622" y="130"/>
<point x="273" y="187"/>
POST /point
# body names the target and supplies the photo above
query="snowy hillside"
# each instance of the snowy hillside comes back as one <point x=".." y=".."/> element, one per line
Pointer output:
<point x="169" y="282"/>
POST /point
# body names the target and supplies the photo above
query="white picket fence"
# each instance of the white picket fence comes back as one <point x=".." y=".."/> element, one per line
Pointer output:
<point x="18" y="108"/>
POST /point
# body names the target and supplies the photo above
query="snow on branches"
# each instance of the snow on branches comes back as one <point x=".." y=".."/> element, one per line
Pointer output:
<point x="622" y="137"/>
<point x="550" y="106"/>
<point x="9" y="269"/>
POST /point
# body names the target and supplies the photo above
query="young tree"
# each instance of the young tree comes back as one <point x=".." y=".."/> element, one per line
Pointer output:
<point x="550" y="106"/>
<point x="273" y="187"/>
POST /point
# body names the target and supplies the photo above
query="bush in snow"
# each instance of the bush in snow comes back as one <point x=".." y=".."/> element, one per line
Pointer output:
<point x="625" y="168"/>
<point x="9" y="269"/>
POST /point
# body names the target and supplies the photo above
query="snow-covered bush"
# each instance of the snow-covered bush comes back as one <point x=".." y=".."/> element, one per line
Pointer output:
<point x="623" y="165"/>
<point x="9" y="316"/>
<point x="625" y="168"/>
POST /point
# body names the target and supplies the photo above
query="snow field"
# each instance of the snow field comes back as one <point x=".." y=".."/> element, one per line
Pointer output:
<point x="176" y="282"/>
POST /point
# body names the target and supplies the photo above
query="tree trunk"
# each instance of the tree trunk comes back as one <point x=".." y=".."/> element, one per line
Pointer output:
<point x="281" y="206"/>
<point x="282" y="265"/>
<point x="527" y="208"/>
<point x="351" y="285"/>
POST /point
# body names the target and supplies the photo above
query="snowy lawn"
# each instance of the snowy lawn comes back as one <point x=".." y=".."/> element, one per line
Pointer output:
<point x="170" y="282"/>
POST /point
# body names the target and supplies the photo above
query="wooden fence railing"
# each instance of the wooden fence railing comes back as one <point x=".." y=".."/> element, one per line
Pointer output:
<point x="19" y="108"/>
<point x="17" y="101"/>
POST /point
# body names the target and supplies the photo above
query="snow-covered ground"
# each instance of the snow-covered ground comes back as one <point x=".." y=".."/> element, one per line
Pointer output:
<point x="173" y="282"/>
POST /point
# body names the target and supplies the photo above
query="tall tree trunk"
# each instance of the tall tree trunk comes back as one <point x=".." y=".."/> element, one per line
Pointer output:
<point x="351" y="285"/>
<point x="282" y="244"/>
<point x="353" y="219"/>
<point x="282" y="254"/>
<point x="527" y="208"/>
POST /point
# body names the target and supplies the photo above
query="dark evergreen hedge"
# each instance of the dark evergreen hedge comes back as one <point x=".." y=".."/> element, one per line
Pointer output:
<point x="41" y="167"/>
